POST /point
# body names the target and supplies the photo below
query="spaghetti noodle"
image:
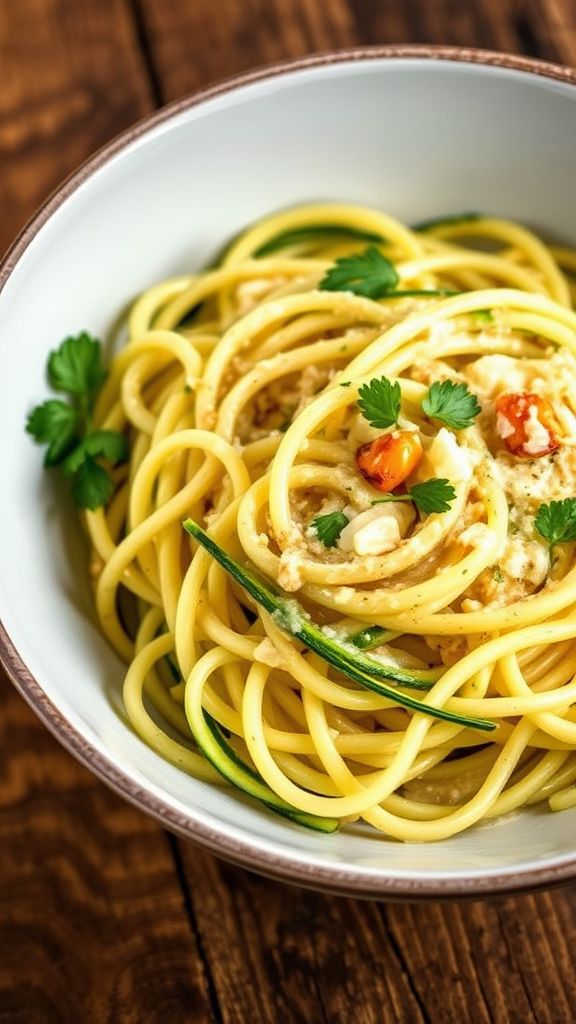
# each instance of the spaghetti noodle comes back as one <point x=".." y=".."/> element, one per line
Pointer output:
<point x="246" y="394"/>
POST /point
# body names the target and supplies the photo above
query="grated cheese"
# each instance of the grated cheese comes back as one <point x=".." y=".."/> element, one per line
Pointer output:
<point x="451" y="460"/>
<point x="491" y="375"/>
<point x="537" y="435"/>
<point x="477" y="535"/>
<point x="503" y="426"/>
<point x="525" y="559"/>
<point x="377" y="530"/>
<point x="289" y="576"/>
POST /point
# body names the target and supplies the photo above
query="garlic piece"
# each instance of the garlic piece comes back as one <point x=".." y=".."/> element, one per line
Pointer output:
<point x="377" y="530"/>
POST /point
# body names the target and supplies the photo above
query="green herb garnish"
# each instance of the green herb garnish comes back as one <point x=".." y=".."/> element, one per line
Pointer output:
<point x="329" y="527"/>
<point x="379" y="401"/>
<point x="434" y="495"/>
<point x="75" y="368"/>
<point x="451" y="404"/>
<point x="369" y="273"/>
<point x="372" y="275"/>
<point x="53" y="423"/>
<point x="556" y="522"/>
<point x="290" y="617"/>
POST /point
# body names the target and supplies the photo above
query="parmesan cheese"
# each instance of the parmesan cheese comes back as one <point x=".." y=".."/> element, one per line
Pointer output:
<point x="289" y="576"/>
<point x="450" y="460"/>
<point x="249" y="294"/>
<point x="503" y="426"/>
<point x="537" y="435"/>
<point x="528" y="483"/>
<point x="525" y="559"/>
<point x="477" y="535"/>
<point x="377" y="530"/>
<point x="490" y="375"/>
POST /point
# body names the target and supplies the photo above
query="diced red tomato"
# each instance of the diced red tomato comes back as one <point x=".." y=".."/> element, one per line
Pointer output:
<point x="527" y="425"/>
<point x="387" y="461"/>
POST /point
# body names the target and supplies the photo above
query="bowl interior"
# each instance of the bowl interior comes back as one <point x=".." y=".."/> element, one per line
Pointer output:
<point x="414" y="137"/>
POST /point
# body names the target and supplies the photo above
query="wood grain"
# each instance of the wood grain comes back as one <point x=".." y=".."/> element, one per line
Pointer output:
<point x="93" y="925"/>
<point x="230" y="36"/>
<point x="68" y="84"/>
<point x="485" y="25"/>
<point x="104" y="918"/>
<point x="308" y="956"/>
<point x="305" y="956"/>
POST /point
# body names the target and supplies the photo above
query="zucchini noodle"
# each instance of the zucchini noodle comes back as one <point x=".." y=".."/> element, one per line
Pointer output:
<point x="240" y="391"/>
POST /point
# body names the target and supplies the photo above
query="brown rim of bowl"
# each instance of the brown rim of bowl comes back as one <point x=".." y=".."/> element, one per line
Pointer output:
<point x="279" y="866"/>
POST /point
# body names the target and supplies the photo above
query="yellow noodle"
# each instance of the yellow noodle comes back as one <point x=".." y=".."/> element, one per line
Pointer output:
<point x="238" y="390"/>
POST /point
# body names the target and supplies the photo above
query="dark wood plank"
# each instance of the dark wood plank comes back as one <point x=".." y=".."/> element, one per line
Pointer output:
<point x="192" y="44"/>
<point x="93" y="926"/>
<point x="553" y="24"/>
<point x="448" y="22"/>
<point x="283" y="954"/>
<point x="307" y="956"/>
<point x="506" y="962"/>
<point x="73" y="75"/>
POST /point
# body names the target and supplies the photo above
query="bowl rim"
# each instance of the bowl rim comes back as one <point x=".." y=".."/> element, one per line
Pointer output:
<point x="244" y="853"/>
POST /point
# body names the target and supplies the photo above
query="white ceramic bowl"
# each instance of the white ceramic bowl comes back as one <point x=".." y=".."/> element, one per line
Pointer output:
<point x="417" y="132"/>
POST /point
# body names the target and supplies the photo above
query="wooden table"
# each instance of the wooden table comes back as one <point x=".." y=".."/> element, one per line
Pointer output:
<point x="104" y="917"/>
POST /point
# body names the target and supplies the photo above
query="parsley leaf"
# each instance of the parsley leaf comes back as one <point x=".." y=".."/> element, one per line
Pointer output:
<point x="434" y="495"/>
<point x="76" y="366"/>
<point x="53" y="423"/>
<point x="91" y="485"/>
<point x="452" y="404"/>
<point x="109" y="443"/>
<point x="556" y="522"/>
<point x="329" y="527"/>
<point x="371" y="274"/>
<point x="76" y="369"/>
<point x="379" y="402"/>
<point x="368" y="273"/>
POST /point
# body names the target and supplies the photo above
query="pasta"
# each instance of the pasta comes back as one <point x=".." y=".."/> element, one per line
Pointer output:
<point x="379" y="424"/>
